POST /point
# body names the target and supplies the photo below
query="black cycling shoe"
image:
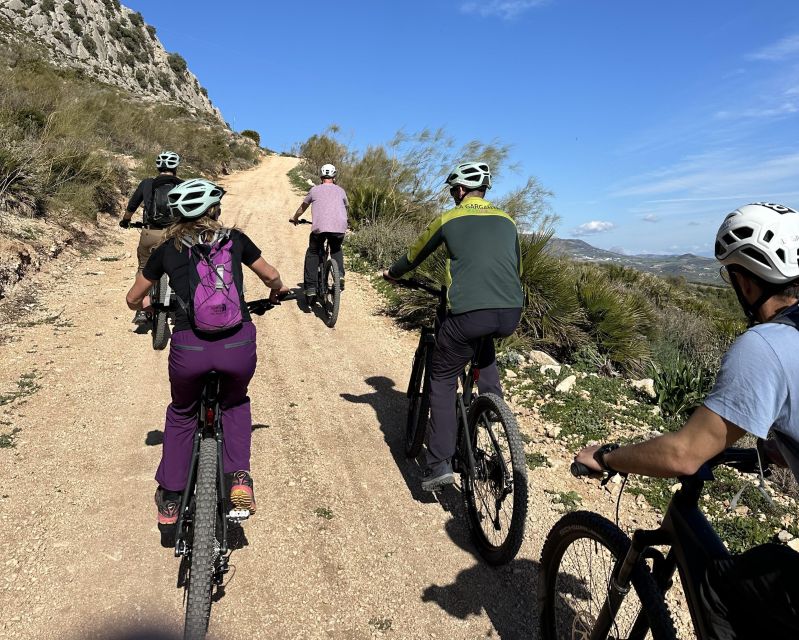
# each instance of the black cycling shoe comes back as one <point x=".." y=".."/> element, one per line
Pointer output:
<point x="437" y="476"/>
<point x="168" y="504"/>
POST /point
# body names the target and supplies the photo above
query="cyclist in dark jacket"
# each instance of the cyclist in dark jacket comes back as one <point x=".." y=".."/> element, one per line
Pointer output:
<point x="756" y="392"/>
<point x="484" y="299"/>
<point x="152" y="234"/>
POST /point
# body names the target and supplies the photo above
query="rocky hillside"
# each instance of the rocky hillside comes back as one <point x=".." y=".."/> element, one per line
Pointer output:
<point x="111" y="43"/>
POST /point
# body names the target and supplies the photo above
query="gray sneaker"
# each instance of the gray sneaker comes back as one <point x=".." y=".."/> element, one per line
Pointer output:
<point x="437" y="476"/>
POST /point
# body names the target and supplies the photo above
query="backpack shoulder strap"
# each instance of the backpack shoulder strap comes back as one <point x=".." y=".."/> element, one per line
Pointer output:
<point x="789" y="316"/>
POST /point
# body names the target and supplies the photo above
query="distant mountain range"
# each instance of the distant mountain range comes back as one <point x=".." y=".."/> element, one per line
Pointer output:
<point x="692" y="268"/>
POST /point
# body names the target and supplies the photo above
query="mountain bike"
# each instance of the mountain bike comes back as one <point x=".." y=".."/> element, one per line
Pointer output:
<point x="201" y="532"/>
<point x="161" y="297"/>
<point x="328" y="282"/>
<point x="489" y="454"/>
<point x="589" y="566"/>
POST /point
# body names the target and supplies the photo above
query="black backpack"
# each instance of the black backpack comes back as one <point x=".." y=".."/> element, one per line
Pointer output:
<point x="156" y="211"/>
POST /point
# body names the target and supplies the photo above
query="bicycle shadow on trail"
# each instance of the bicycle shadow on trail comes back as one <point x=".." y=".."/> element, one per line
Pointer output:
<point x="507" y="594"/>
<point x="391" y="406"/>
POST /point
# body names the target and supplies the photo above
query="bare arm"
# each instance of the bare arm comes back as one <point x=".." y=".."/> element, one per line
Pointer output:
<point x="300" y="210"/>
<point x="674" y="454"/>
<point x="267" y="273"/>
<point x="138" y="291"/>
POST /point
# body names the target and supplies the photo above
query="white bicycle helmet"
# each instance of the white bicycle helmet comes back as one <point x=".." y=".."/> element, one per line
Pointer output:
<point x="167" y="160"/>
<point x="193" y="198"/>
<point x="763" y="238"/>
<point x="472" y="175"/>
<point x="327" y="171"/>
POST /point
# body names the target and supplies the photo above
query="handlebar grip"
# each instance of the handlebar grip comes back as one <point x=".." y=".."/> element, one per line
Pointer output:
<point x="579" y="469"/>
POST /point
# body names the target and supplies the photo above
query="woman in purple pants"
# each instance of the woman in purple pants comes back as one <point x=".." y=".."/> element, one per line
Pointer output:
<point x="193" y="353"/>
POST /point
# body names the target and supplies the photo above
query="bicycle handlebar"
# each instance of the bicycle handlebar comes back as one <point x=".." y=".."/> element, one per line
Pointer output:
<point x="411" y="283"/>
<point x="260" y="307"/>
<point x="136" y="225"/>
<point x="744" y="460"/>
<point x="300" y="221"/>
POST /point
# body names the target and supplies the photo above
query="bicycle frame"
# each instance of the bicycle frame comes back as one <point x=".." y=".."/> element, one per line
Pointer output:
<point x="321" y="280"/>
<point x="693" y="546"/>
<point x="209" y="426"/>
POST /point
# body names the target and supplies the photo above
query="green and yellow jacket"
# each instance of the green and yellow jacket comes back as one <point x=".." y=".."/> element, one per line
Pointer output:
<point x="484" y="261"/>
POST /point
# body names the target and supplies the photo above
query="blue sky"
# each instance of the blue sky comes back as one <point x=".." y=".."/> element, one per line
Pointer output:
<point x="648" y="120"/>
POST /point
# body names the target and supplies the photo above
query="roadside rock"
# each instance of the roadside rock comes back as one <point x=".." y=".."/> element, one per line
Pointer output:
<point x="567" y="384"/>
<point x="784" y="537"/>
<point x="540" y="357"/>
<point x="510" y="373"/>
<point x="646" y="385"/>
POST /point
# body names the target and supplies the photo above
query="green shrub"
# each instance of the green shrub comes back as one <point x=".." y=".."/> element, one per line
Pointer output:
<point x="252" y="135"/>
<point x="204" y="91"/>
<point x="76" y="26"/>
<point x="47" y="6"/>
<point x="681" y="386"/>
<point x="164" y="80"/>
<point x="177" y="63"/>
<point x="90" y="44"/>
<point x="151" y="30"/>
<point x="70" y="10"/>
<point x="141" y="78"/>
<point x="136" y="19"/>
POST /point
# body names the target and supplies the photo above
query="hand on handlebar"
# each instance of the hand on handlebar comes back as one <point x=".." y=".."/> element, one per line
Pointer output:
<point x="124" y="223"/>
<point x="276" y="295"/>
<point x="585" y="457"/>
<point x="294" y="221"/>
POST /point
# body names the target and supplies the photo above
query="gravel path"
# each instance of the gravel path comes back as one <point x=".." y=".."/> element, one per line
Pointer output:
<point x="80" y="549"/>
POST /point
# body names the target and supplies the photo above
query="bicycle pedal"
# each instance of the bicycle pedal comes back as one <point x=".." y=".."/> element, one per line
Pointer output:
<point x="238" y="515"/>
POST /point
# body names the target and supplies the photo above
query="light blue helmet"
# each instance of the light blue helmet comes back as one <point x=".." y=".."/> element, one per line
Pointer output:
<point x="167" y="160"/>
<point x="192" y="199"/>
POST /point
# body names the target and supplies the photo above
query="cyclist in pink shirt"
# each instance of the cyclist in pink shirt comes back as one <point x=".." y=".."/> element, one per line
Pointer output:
<point x="329" y="222"/>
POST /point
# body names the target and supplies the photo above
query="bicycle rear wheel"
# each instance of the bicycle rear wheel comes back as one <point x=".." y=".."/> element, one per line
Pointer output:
<point x="496" y="497"/>
<point x="160" y="330"/>
<point x="205" y="547"/>
<point x="333" y="294"/>
<point x="418" y="400"/>
<point x="577" y="562"/>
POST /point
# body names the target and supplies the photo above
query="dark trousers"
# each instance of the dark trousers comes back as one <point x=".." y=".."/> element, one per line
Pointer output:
<point x="190" y="358"/>
<point x="455" y="345"/>
<point x="334" y="241"/>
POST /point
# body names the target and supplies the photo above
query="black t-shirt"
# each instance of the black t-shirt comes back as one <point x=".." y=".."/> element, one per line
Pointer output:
<point x="175" y="263"/>
<point x="143" y="191"/>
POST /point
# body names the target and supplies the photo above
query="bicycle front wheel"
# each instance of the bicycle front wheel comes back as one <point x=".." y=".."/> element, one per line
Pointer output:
<point x="496" y="497"/>
<point x="333" y="293"/>
<point x="205" y="547"/>
<point x="418" y="400"/>
<point x="578" y="560"/>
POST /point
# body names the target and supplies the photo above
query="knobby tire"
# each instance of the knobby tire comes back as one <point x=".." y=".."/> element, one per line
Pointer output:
<point x="478" y="505"/>
<point x="418" y="401"/>
<point x="333" y="292"/>
<point x="204" y="546"/>
<point x="561" y="619"/>
<point x="160" y="330"/>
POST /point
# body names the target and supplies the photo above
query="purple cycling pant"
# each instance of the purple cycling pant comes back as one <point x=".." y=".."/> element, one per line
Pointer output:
<point x="190" y="358"/>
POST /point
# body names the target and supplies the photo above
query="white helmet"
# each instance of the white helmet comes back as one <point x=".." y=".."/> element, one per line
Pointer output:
<point x="192" y="199"/>
<point x="472" y="175"/>
<point x="763" y="238"/>
<point x="167" y="160"/>
<point x="327" y="171"/>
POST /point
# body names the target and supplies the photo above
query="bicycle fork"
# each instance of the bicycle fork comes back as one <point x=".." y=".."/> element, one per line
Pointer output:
<point x="619" y="586"/>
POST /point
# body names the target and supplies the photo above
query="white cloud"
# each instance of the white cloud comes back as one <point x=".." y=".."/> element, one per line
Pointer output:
<point x="779" y="50"/>
<point x="506" y="9"/>
<point x="651" y="217"/>
<point x="593" y="227"/>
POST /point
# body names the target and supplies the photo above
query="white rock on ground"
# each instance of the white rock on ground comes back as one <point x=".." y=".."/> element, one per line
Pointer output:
<point x="556" y="368"/>
<point x="647" y="385"/>
<point x="566" y="385"/>
<point x="540" y="357"/>
<point x="784" y="536"/>
<point x="510" y="373"/>
<point x="794" y="544"/>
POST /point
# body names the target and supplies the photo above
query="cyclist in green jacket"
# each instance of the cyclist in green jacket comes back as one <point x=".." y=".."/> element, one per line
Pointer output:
<point x="484" y="299"/>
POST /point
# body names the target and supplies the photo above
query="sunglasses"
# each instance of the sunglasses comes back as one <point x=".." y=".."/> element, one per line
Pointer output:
<point x="725" y="274"/>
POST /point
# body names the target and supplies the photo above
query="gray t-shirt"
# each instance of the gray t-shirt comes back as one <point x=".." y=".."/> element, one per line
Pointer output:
<point x="757" y="388"/>
<point x="328" y="208"/>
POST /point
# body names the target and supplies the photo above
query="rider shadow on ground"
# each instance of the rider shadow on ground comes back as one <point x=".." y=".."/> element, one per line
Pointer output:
<point x="316" y="309"/>
<point x="507" y="594"/>
<point x="391" y="407"/>
<point x="154" y="438"/>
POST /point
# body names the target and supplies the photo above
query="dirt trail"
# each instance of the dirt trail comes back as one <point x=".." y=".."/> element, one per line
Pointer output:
<point x="79" y="547"/>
